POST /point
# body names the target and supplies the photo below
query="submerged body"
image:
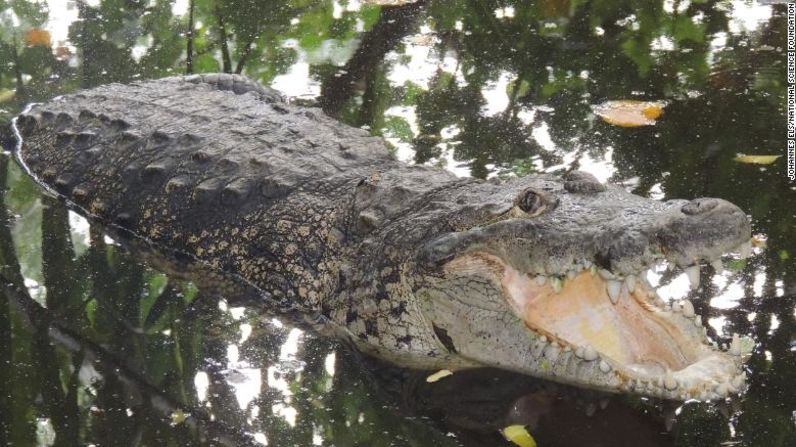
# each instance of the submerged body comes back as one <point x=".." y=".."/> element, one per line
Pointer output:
<point x="539" y="275"/>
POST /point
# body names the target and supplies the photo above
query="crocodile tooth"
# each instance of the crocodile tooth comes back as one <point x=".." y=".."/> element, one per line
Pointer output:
<point x="538" y="349"/>
<point x="698" y="321"/>
<point x="677" y="307"/>
<point x="540" y="279"/>
<point x="605" y="274"/>
<point x="589" y="354"/>
<point x="556" y="283"/>
<point x="669" y="382"/>
<point x="717" y="265"/>
<point x="604" y="366"/>
<point x="551" y="352"/>
<point x="693" y="276"/>
<point x="688" y="309"/>
<point x="613" y="287"/>
<point x="722" y="389"/>
<point x="735" y="345"/>
<point x="587" y="264"/>
<point x="745" y="250"/>
<point x="591" y="409"/>
<point x="571" y="274"/>
<point x="579" y="352"/>
<point x="604" y="403"/>
<point x="630" y="282"/>
<point x="593" y="270"/>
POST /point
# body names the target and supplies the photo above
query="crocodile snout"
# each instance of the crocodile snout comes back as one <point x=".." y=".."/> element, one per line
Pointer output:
<point x="703" y="229"/>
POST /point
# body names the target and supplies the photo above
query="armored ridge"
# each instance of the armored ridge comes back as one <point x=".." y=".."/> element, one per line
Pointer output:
<point x="540" y="275"/>
<point x="217" y="167"/>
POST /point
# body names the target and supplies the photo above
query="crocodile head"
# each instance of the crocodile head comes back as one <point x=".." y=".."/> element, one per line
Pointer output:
<point x="553" y="284"/>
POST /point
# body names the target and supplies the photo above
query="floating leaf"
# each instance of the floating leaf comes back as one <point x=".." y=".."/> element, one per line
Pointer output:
<point x="519" y="435"/>
<point x="630" y="112"/>
<point x="178" y="417"/>
<point x="756" y="159"/>
<point x="438" y="375"/>
<point x="37" y="37"/>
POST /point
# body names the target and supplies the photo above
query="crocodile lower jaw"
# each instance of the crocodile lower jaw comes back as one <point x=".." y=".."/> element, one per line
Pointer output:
<point x="623" y="329"/>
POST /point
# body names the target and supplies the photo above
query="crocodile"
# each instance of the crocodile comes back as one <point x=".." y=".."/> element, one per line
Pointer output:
<point x="541" y="275"/>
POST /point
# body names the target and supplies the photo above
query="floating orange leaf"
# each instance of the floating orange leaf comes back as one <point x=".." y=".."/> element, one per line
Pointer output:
<point x="38" y="37"/>
<point x="630" y="112"/>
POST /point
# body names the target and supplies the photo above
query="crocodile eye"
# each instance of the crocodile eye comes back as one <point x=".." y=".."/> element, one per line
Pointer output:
<point x="531" y="203"/>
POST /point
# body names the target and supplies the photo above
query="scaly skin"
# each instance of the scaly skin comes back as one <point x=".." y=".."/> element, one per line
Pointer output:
<point x="413" y="264"/>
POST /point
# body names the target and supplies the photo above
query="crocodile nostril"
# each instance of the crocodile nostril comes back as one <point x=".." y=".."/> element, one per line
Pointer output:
<point x="699" y="206"/>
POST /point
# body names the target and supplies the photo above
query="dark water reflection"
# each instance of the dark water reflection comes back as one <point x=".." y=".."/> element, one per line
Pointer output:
<point x="98" y="348"/>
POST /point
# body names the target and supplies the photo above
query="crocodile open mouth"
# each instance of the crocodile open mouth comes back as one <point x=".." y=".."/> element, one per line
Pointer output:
<point x="591" y="325"/>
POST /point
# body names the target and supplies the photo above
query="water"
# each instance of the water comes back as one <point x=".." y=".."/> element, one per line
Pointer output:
<point x="97" y="348"/>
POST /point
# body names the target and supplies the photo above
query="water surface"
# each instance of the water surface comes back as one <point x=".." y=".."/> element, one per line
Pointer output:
<point x="98" y="348"/>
